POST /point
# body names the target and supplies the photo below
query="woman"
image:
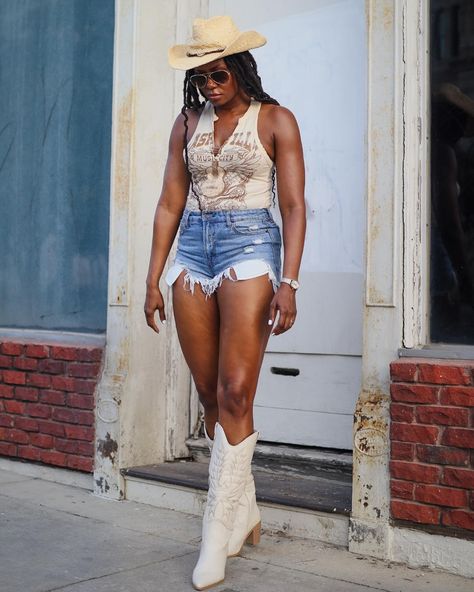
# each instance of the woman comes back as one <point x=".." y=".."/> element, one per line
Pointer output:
<point x="226" y="280"/>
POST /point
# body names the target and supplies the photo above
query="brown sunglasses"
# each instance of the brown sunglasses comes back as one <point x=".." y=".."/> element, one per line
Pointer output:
<point x="200" y="80"/>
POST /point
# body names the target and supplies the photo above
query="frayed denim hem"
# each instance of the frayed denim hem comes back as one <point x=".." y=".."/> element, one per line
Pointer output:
<point x="244" y="270"/>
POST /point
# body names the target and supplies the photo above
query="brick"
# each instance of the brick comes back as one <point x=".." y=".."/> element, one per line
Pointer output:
<point x="403" y="413"/>
<point x="439" y="415"/>
<point x="48" y="427"/>
<point x="61" y="352"/>
<point x="77" y="354"/>
<point x="421" y="434"/>
<point x="6" y="421"/>
<point x="417" y="472"/>
<point x="442" y="455"/>
<point x="79" y="370"/>
<point x="26" y="393"/>
<point x="74" y="446"/>
<point x="90" y="354"/>
<point x="28" y="452"/>
<point x="73" y="416"/>
<point x="49" y="366"/>
<point x="15" y="407"/>
<point x="403" y="489"/>
<point x="80" y="463"/>
<point x="25" y="363"/>
<point x="458" y="477"/>
<point x="457" y="395"/>
<point x="11" y="348"/>
<point x="471" y="501"/>
<point x="443" y="374"/>
<point x="460" y="437"/>
<point x="14" y="377"/>
<point x="403" y="371"/>
<point x="42" y="440"/>
<point x="405" y="510"/>
<point x="6" y="391"/>
<point x="14" y="435"/>
<point x="27" y="424"/>
<point x="63" y="383"/>
<point x="86" y="387"/>
<point x="441" y="496"/>
<point x="41" y="380"/>
<point x="79" y="432"/>
<point x="459" y="518"/>
<point x="8" y="449"/>
<point x="6" y="361"/>
<point x="52" y="397"/>
<point x="80" y="401"/>
<point x="34" y="350"/>
<point x="402" y="451"/>
<point x="53" y="457"/>
<point x="38" y="410"/>
<point x="414" y="393"/>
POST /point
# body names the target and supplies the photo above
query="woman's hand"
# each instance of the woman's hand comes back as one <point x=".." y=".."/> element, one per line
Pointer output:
<point x="284" y="302"/>
<point x="154" y="301"/>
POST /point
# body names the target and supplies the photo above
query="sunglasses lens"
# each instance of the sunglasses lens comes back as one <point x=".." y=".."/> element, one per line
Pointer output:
<point x="198" y="80"/>
<point x="220" y="77"/>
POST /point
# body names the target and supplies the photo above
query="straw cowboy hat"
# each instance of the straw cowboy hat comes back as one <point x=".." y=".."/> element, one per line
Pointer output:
<point x="212" y="39"/>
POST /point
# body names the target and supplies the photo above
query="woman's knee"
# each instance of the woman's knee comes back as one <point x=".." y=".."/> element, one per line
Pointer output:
<point x="235" y="397"/>
<point x="207" y="395"/>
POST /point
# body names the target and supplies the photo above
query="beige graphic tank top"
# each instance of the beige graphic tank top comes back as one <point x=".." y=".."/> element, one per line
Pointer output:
<point x="239" y="176"/>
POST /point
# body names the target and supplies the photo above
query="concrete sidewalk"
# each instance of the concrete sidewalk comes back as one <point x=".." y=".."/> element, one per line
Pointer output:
<point x="62" y="537"/>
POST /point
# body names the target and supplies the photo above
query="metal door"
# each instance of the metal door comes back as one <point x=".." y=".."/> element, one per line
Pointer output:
<point x="315" y="64"/>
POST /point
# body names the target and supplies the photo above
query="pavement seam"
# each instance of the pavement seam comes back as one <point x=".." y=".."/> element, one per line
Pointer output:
<point x="193" y="542"/>
<point x="333" y="578"/>
<point x="119" y="571"/>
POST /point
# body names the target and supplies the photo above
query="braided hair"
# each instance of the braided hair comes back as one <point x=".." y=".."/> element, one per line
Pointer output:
<point x="244" y="67"/>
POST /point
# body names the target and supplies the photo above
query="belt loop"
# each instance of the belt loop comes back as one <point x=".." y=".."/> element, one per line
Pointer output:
<point x="186" y="218"/>
<point x="228" y="217"/>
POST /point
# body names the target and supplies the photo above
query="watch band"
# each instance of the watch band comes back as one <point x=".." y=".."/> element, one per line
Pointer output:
<point x="293" y="283"/>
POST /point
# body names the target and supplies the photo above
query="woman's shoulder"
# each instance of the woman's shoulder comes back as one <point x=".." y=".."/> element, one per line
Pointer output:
<point x="278" y="116"/>
<point x="186" y="122"/>
<point x="189" y="115"/>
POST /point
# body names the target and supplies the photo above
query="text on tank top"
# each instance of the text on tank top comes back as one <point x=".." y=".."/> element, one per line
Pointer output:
<point x="239" y="176"/>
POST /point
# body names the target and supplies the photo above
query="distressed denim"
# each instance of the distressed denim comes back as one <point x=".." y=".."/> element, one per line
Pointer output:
<point x="212" y="243"/>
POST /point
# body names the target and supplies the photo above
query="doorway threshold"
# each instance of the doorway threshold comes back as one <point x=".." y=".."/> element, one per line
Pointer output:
<point x="318" y="491"/>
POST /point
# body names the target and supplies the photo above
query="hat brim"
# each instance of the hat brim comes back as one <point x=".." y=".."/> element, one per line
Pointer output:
<point x="178" y="58"/>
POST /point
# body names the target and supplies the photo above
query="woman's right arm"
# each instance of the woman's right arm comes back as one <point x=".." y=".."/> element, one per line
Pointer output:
<point x="166" y="221"/>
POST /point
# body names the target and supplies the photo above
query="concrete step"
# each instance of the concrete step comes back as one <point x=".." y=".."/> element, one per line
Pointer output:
<point x="291" y="460"/>
<point x="314" y="506"/>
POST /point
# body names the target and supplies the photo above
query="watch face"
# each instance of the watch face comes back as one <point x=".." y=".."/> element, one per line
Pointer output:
<point x="295" y="284"/>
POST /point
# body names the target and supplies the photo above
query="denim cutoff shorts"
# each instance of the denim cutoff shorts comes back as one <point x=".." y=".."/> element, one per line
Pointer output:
<point x="212" y="243"/>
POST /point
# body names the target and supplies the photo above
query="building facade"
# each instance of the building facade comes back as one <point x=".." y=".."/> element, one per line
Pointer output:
<point x="384" y="346"/>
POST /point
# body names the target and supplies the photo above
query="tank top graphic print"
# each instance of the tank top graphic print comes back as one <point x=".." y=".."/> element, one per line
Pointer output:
<point x="239" y="176"/>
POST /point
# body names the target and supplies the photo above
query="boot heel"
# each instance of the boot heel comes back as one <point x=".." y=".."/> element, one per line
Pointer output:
<point x="254" y="536"/>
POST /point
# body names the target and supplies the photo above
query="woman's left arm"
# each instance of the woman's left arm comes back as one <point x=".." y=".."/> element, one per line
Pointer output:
<point x="290" y="173"/>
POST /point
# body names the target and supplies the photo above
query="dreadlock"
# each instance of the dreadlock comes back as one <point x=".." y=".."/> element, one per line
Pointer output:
<point x="244" y="67"/>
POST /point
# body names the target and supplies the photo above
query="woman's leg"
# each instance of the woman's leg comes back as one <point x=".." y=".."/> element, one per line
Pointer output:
<point x="197" y="323"/>
<point x="244" y="308"/>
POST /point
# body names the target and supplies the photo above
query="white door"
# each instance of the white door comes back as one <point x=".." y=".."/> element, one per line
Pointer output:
<point x="315" y="64"/>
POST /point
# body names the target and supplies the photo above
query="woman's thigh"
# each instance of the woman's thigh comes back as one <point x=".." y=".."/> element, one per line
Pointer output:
<point x="197" y="324"/>
<point x="244" y="310"/>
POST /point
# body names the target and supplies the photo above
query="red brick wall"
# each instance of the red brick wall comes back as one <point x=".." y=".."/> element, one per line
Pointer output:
<point x="47" y="403"/>
<point x="432" y="442"/>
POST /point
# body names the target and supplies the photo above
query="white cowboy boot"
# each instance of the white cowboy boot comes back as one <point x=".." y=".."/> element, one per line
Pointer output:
<point x="247" y="522"/>
<point x="227" y="475"/>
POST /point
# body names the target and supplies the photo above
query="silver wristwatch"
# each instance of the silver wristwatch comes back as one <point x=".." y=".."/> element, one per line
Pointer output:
<point x="293" y="283"/>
